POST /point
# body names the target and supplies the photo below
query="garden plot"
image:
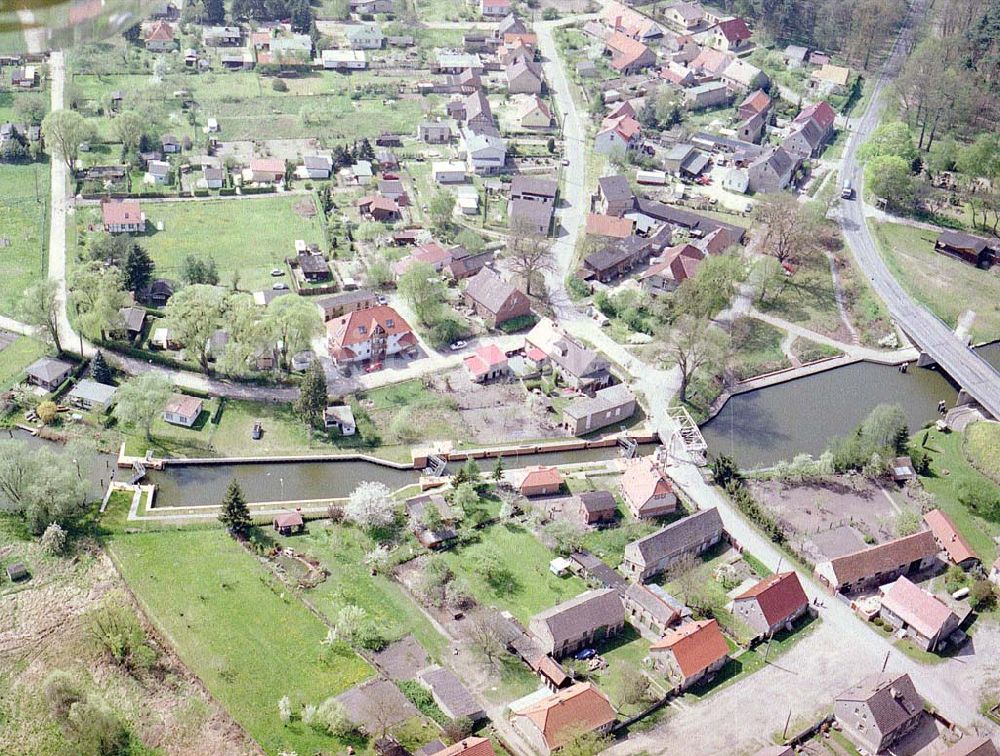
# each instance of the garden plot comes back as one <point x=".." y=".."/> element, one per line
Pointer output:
<point x="24" y="191"/>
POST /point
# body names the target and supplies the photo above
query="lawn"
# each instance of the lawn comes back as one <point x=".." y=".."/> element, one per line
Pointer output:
<point x="171" y="440"/>
<point x="342" y="551"/>
<point x="406" y="412"/>
<point x="627" y="650"/>
<point x="24" y="232"/>
<point x="248" y="640"/>
<point x="950" y="471"/>
<point x="806" y="350"/>
<point x="527" y="587"/>
<point x="756" y="349"/>
<point x="982" y="448"/>
<point x="248" y="237"/>
<point x="15" y="358"/>
<point x="946" y="286"/>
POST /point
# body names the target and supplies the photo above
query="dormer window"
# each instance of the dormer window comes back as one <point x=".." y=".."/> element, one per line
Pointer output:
<point x="388" y="322"/>
<point x="362" y="329"/>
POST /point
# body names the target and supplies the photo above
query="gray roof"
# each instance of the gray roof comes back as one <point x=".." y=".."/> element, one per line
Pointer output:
<point x="576" y="359"/>
<point x="595" y="568"/>
<point x="605" y="399"/>
<point x="214" y="174"/>
<point x="679" y="151"/>
<point x="49" y="369"/>
<point x="537" y="213"/>
<point x="92" y="391"/>
<point x="687" y="219"/>
<point x="489" y="290"/>
<point x="521" y="185"/>
<point x="811" y="132"/>
<point x="346" y="298"/>
<point x="317" y="162"/>
<point x="892" y="699"/>
<point x="659" y="609"/>
<point x="958" y="240"/>
<point x="511" y="24"/>
<point x="133" y="317"/>
<point x="615" y="188"/>
<point x="522" y="65"/>
<point x="598" y="501"/>
<point x="778" y="159"/>
<point x="451" y="695"/>
<point x="477" y="105"/>
<point x="590" y="610"/>
<point x="677" y="538"/>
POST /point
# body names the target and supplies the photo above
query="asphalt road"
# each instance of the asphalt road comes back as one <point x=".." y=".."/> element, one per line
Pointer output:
<point x="930" y="333"/>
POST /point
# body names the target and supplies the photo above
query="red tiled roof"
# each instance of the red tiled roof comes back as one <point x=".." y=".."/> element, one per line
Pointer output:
<point x="357" y="326"/>
<point x="161" y="31"/>
<point x="946" y="534"/>
<point x="758" y="101"/>
<point x="820" y="112"/>
<point x="288" y="520"/>
<point x="915" y="606"/>
<point x="696" y="646"/>
<point x="779" y="596"/>
<point x="734" y="29"/>
<point x="474" y="746"/>
<point x="121" y="212"/>
<point x="608" y="225"/>
<point x="643" y="480"/>
<point x="561" y="716"/>
<point x="627" y="50"/>
<point x="541" y="476"/>
<point x="885" y="557"/>
<point x="267" y="165"/>
<point x="378" y="202"/>
<point x="431" y="252"/>
<point x="681" y="260"/>
<point x="485" y="359"/>
<point x="621" y="109"/>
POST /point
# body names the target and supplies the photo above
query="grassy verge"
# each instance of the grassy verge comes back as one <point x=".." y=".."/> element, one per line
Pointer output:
<point x="946" y="286"/>
<point x="248" y="640"/>
<point x="982" y="448"/>
<point x="756" y="349"/>
<point x="24" y="233"/>
<point x="15" y="358"/>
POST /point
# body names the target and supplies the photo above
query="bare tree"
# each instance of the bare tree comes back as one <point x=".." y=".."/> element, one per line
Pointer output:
<point x="789" y="231"/>
<point x="486" y="634"/>
<point x="528" y="253"/>
<point x="384" y="706"/>
<point x="695" y="345"/>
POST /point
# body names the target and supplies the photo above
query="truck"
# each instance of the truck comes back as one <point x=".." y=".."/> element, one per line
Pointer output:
<point x="847" y="192"/>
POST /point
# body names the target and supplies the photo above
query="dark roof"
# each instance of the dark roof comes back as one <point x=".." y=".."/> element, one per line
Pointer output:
<point x="659" y="609"/>
<point x="489" y="290"/>
<point x="958" y="240"/>
<point x="598" y="570"/>
<point x="451" y="695"/>
<point x="892" y="700"/>
<point x="346" y="298"/>
<point x="689" y="220"/>
<point x="590" y="610"/>
<point x="596" y="502"/>
<point x="533" y="211"/>
<point x="133" y="317"/>
<point x="525" y="185"/>
<point x="676" y="538"/>
<point x="313" y="263"/>
<point x="17" y="571"/>
<point x="615" y="188"/>
<point x="49" y="369"/>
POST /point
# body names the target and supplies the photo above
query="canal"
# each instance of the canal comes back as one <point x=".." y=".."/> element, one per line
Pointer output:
<point x="181" y="485"/>
<point x="762" y="427"/>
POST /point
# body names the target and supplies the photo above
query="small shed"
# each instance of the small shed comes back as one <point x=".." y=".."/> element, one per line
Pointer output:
<point x="903" y="470"/>
<point x="288" y="523"/>
<point x="340" y="416"/>
<point x="16" y="572"/>
<point x="49" y="373"/>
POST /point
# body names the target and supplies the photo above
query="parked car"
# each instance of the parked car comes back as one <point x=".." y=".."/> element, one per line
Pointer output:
<point x="280" y="286"/>
<point x="258" y="430"/>
<point x="585" y="653"/>
<point x="374" y="367"/>
<point x="277" y="272"/>
<point x="457" y="345"/>
<point x="302" y="361"/>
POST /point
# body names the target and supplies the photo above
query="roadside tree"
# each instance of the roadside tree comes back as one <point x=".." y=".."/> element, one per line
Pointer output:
<point x="140" y="400"/>
<point x="789" y="230"/>
<point x="64" y="131"/>
<point x="529" y="254"/>
<point x="294" y="322"/>
<point x="195" y="313"/>
<point x="695" y="345"/>
<point x="312" y="395"/>
<point x="39" y="307"/>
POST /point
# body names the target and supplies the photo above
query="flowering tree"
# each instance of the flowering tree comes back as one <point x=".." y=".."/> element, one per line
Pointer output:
<point x="370" y="505"/>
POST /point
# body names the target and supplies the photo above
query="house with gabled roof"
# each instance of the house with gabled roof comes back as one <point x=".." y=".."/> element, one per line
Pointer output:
<point x="646" y="489"/>
<point x="806" y="140"/>
<point x="690" y="653"/>
<point x="772" y="170"/>
<point x="610" y="226"/>
<point x="731" y="35"/>
<point x="554" y="720"/>
<point x="450" y="695"/>
<point x="879" y="564"/>
<point x="757" y="102"/>
<point x="924" y="619"/>
<point x="580" y="622"/>
<point x="651" y="555"/>
<point x="646" y="609"/>
<point x="614" y="195"/>
<point x="742" y="76"/>
<point x="122" y="216"/>
<point x="879" y="711"/>
<point x="608" y="406"/>
<point x="580" y="367"/>
<point x="829" y="79"/>
<point x="971" y="745"/>
<point x="617" y="17"/>
<point x="684" y="16"/>
<point x="595" y="507"/>
<point x="773" y="604"/>
<point x="160" y="37"/>
<point x="471" y="746"/>
<point x="953" y="543"/>
<point x="677" y="264"/>
<point x="533" y="113"/>
<point x="487" y="363"/>
<point x="539" y="480"/>
<point x="371" y="334"/>
<point x="524" y="76"/>
<point x="628" y="56"/>
<point x="494" y="300"/>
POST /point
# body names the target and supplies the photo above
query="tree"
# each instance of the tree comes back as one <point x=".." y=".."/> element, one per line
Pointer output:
<point x="528" y="253"/>
<point x="100" y="371"/>
<point x="370" y="505"/>
<point x="634" y="686"/>
<point x="198" y="270"/>
<point x="194" y="313"/>
<point x="312" y="395"/>
<point x="39" y="307"/>
<point x="140" y="400"/>
<point x="128" y="128"/>
<point x="498" y="470"/>
<point x="95" y="728"/>
<point x="64" y="131"/>
<point x="138" y="269"/>
<point x="42" y="486"/>
<point x="47" y="411"/>
<point x="29" y="107"/>
<point x="235" y="514"/>
<point x="485" y="631"/>
<point x="711" y="288"/>
<point x="585" y="743"/>
<point x="215" y="11"/>
<point x="885" y="428"/>
<point x="53" y="540"/>
<point x="350" y="624"/>
<point x="295" y="322"/>
<point x="890" y="139"/>
<point x="566" y="534"/>
<point x="469" y="239"/>
<point x="98" y="296"/>
<point x="441" y="208"/>
<point x="420" y="286"/>
<point x="694" y="346"/>
<point x="789" y="231"/>
<point x="769" y="278"/>
<point x="888" y="177"/>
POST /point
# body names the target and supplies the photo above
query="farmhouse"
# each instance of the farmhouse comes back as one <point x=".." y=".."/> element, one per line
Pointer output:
<point x="631" y="23"/>
<point x="580" y="622"/>
<point x="611" y="405"/>
<point x="540" y="481"/>
<point x="879" y="564"/>
<point x="771" y="171"/>
<point x="494" y="300"/>
<point x="370" y="334"/>
<point x="181" y="409"/>
<point x="651" y="555"/>
<point x="534" y="114"/>
<point x="879" y="711"/>
<point x="123" y="216"/>
<point x="487" y="363"/>
<point x="48" y="372"/>
<point x="160" y="37"/>
<point x="676" y="265"/>
<point x="556" y="719"/>
<point x="614" y="195"/>
<point x="524" y="76"/>
<point x="731" y="35"/>
<point x="947" y="537"/>
<point x="756" y="103"/>
<point x="619" y="256"/>
<point x="644" y="608"/>
<point x="629" y="56"/>
<point x="647" y="490"/>
<point x="691" y="652"/>
<point x="618" y="136"/>
<point x="773" y="604"/>
<point x="580" y="367"/>
<point x="925" y="619"/>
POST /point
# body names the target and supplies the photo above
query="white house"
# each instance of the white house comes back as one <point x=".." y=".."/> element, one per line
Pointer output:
<point x="448" y="172"/>
<point x="182" y="410"/>
<point x="344" y="60"/>
<point x="486" y="154"/>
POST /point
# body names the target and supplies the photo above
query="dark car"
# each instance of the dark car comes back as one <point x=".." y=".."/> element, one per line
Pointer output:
<point x="584" y="654"/>
<point x="258" y="431"/>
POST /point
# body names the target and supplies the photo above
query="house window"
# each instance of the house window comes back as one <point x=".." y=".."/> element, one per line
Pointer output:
<point x="362" y="329"/>
<point x="388" y="323"/>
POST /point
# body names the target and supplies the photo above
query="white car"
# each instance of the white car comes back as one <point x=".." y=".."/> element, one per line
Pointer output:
<point x="457" y="345"/>
<point x="565" y="161"/>
<point x="280" y="286"/>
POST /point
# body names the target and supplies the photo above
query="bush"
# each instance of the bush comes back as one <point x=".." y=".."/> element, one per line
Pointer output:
<point x="117" y="632"/>
<point x="279" y="85"/>
<point x="981" y="595"/>
<point x="96" y="729"/>
<point x="458" y="729"/>
<point x="332" y="718"/>
<point x="47" y="412"/>
<point x="60" y="692"/>
<point x="54" y="540"/>
<point x="522" y="323"/>
<point x="420" y="697"/>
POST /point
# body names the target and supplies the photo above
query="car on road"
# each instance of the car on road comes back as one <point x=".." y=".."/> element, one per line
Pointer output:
<point x="565" y="161"/>
<point x="584" y="654"/>
<point x="457" y="345"/>
<point x="257" y="431"/>
<point x="382" y="299"/>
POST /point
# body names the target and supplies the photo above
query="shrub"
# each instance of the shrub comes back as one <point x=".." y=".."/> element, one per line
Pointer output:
<point x="285" y="709"/>
<point x="117" y="632"/>
<point x="96" y="729"/>
<point x="332" y="718"/>
<point x="60" y="692"/>
<point x="279" y="85"/>
<point x="47" y="412"/>
<point x="458" y="729"/>
<point x="981" y="595"/>
<point x="54" y="540"/>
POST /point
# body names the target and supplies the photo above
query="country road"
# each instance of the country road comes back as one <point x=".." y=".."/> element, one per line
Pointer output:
<point x="967" y="368"/>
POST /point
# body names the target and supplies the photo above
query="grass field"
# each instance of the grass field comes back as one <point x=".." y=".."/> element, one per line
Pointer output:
<point x="24" y="232"/>
<point x="756" y="349"/>
<point x="949" y="472"/>
<point x="531" y="587"/>
<point x="982" y="448"/>
<point x="248" y="640"/>
<point x="15" y="358"/>
<point x="946" y="286"/>
<point x="342" y="551"/>
<point x="245" y="236"/>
